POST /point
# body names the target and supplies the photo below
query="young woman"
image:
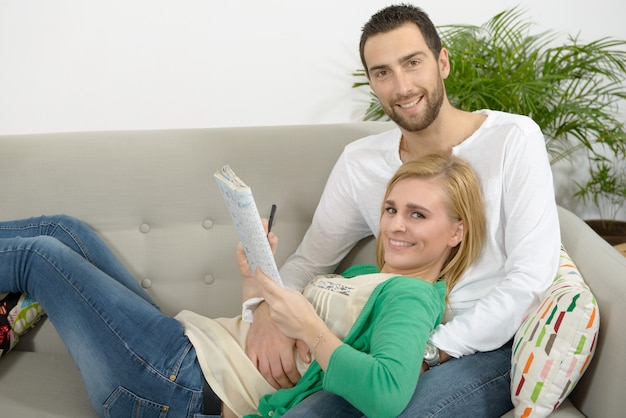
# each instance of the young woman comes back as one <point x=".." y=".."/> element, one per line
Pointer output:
<point x="365" y="329"/>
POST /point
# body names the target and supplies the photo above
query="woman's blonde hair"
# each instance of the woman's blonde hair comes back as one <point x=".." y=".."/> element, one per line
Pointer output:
<point x="464" y="202"/>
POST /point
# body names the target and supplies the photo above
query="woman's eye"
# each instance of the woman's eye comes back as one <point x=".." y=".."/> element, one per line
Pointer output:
<point x="390" y="210"/>
<point x="417" y="215"/>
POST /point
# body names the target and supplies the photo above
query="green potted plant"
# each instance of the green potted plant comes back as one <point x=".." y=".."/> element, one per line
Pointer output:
<point x="570" y="88"/>
<point x="606" y="190"/>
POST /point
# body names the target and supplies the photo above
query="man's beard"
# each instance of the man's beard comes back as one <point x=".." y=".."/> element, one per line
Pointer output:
<point x="424" y="119"/>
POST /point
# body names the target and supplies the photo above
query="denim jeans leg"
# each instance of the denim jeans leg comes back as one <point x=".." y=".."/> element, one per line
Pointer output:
<point x="79" y="237"/>
<point x="128" y="352"/>
<point x="324" y="404"/>
<point x="477" y="385"/>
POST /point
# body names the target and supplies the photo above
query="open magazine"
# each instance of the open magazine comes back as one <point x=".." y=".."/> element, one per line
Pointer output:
<point x="243" y="210"/>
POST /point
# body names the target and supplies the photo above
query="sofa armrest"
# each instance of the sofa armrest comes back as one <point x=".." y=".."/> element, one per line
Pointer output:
<point x="599" y="392"/>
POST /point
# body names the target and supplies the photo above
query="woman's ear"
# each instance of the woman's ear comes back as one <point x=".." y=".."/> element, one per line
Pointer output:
<point x="457" y="234"/>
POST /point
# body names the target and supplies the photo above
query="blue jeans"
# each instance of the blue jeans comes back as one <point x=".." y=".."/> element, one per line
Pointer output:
<point x="134" y="360"/>
<point x="476" y="385"/>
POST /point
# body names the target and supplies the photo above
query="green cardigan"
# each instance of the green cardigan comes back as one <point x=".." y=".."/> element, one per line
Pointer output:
<point x="377" y="367"/>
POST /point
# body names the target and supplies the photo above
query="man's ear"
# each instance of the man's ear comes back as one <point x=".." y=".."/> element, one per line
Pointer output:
<point x="444" y="63"/>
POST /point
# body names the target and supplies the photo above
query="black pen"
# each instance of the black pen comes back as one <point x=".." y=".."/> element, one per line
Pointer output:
<point x="271" y="220"/>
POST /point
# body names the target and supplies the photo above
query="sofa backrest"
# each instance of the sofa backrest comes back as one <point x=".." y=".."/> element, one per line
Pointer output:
<point x="600" y="391"/>
<point x="151" y="195"/>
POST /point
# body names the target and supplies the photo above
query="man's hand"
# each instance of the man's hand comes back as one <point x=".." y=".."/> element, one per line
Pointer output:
<point x="443" y="357"/>
<point x="271" y="351"/>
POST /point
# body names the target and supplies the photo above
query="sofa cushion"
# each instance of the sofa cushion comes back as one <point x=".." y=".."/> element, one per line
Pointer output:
<point x="18" y="314"/>
<point x="555" y="344"/>
<point x="42" y="385"/>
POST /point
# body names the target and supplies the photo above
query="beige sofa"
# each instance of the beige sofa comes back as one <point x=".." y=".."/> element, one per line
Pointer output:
<point x="151" y="196"/>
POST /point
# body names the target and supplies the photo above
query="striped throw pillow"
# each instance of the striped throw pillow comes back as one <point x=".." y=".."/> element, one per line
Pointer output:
<point x="18" y="314"/>
<point x="555" y="344"/>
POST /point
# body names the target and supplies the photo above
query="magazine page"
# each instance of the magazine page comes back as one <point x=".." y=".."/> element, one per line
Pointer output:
<point x="243" y="210"/>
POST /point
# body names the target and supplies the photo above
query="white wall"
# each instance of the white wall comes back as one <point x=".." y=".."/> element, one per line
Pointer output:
<point x="72" y="65"/>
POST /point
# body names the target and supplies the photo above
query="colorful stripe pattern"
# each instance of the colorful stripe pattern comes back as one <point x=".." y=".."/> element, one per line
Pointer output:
<point x="18" y="314"/>
<point x="555" y="344"/>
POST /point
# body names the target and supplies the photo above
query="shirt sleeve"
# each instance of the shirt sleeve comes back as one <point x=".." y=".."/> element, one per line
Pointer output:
<point x="336" y="227"/>
<point x="531" y="241"/>
<point x="380" y="379"/>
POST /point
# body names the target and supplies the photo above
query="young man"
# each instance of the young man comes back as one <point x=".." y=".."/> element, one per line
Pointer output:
<point x="468" y="357"/>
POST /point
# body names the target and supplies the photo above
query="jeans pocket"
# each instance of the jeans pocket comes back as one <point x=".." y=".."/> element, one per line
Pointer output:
<point x="123" y="403"/>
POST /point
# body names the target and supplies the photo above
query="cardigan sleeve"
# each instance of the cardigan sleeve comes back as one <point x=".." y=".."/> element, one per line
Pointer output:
<point x="377" y="367"/>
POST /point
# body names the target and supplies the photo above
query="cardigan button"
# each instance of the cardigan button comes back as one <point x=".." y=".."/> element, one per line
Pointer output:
<point x="144" y="228"/>
<point x="207" y="224"/>
<point x="146" y="283"/>
<point x="209" y="279"/>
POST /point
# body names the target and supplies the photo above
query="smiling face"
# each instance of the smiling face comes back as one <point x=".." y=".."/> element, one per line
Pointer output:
<point x="416" y="230"/>
<point x="406" y="76"/>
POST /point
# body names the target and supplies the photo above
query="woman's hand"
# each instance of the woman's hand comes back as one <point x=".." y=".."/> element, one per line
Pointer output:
<point x="292" y="313"/>
<point x="242" y="260"/>
<point x="250" y="284"/>
<point x="296" y="318"/>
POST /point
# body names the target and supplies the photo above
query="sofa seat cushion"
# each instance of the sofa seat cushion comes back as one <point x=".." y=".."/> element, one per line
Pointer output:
<point x="565" y="410"/>
<point x="42" y="385"/>
<point x="60" y="392"/>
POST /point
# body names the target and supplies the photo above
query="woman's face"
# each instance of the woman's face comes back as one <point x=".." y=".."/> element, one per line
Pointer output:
<point x="416" y="231"/>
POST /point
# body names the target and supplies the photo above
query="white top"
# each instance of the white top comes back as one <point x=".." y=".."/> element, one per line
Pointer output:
<point x="520" y="257"/>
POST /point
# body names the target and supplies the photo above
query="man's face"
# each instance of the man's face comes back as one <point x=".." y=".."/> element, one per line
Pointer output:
<point x="406" y="76"/>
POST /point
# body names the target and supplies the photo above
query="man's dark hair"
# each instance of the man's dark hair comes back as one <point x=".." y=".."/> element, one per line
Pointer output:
<point x="393" y="17"/>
